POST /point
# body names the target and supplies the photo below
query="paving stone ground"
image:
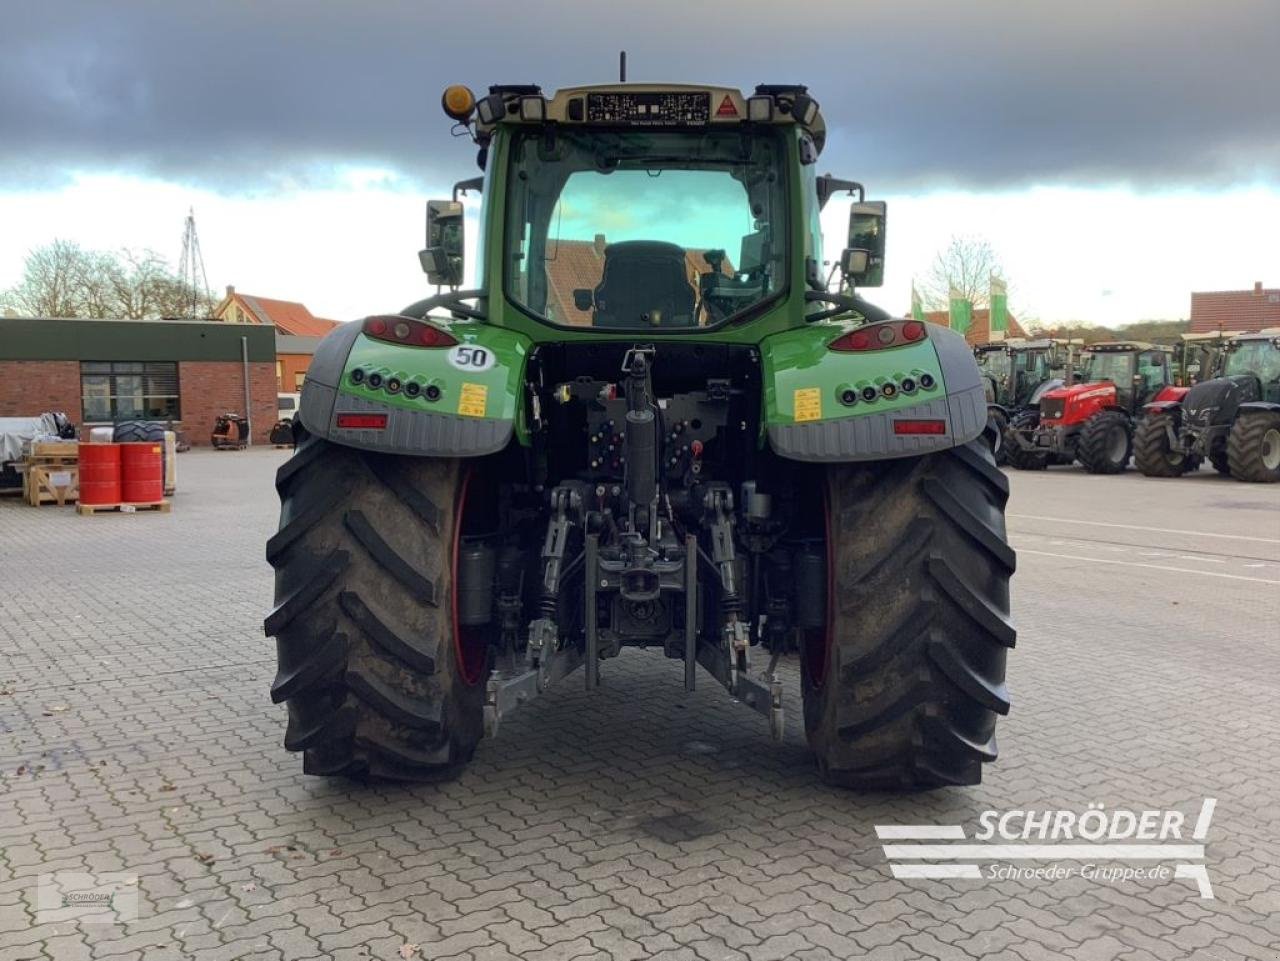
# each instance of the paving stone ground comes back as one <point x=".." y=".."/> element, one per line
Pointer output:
<point x="639" y="821"/>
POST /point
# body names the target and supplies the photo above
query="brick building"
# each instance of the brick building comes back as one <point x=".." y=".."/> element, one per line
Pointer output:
<point x="104" y="371"/>
<point x="1240" y="310"/>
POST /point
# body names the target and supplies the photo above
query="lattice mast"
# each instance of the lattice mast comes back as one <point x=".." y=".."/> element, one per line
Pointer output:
<point x="191" y="271"/>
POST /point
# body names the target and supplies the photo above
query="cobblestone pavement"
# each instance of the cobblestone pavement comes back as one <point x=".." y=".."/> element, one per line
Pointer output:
<point x="136" y="736"/>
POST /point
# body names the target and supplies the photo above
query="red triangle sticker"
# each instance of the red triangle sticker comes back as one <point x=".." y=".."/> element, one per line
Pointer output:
<point x="726" y="108"/>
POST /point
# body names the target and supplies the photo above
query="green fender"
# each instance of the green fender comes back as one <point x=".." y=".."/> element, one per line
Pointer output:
<point x="467" y="401"/>
<point x="808" y="415"/>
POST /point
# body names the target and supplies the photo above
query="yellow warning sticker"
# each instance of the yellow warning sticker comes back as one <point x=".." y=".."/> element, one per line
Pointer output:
<point x="471" y="402"/>
<point x="808" y="404"/>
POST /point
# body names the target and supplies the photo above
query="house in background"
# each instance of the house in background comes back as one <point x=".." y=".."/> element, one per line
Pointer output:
<point x="298" y="331"/>
<point x="979" y="331"/>
<point x="1241" y="310"/>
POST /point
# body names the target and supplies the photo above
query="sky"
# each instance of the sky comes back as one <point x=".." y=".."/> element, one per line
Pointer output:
<point x="1118" y="155"/>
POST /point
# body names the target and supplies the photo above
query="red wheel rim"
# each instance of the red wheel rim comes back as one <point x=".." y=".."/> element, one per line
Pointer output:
<point x="469" y="646"/>
<point x="817" y="641"/>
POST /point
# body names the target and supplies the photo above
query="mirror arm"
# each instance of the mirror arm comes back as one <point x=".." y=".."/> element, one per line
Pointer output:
<point x="844" y="304"/>
<point x="453" y="300"/>
<point x="828" y="186"/>
<point x="475" y="184"/>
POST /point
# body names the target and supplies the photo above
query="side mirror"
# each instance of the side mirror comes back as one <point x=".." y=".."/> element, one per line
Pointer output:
<point x="863" y="259"/>
<point x="444" y="256"/>
<point x="584" y="298"/>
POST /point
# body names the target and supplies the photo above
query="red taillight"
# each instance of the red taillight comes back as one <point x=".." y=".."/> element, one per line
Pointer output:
<point x="362" y="421"/>
<point x="407" y="331"/>
<point x="919" y="426"/>
<point x="893" y="333"/>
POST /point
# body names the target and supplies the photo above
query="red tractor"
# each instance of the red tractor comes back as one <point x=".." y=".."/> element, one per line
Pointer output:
<point x="1094" y="421"/>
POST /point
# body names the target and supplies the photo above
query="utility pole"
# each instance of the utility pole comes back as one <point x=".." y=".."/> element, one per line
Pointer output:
<point x="191" y="268"/>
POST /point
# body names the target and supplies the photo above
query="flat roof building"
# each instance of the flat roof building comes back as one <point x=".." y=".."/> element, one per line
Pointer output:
<point x="104" y="371"/>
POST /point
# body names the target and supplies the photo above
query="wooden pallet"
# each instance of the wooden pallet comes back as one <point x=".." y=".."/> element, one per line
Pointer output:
<point x="162" y="507"/>
<point x="51" y="483"/>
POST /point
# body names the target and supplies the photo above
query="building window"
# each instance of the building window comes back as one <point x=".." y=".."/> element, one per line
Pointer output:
<point x="113" y="391"/>
<point x="298" y="378"/>
<point x="280" y="376"/>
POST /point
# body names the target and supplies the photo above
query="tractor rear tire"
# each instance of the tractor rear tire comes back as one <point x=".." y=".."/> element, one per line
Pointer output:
<point x="1024" y="458"/>
<point x="1152" y="452"/>
<point x="1106" y="443"/>
<point x="1253" y="448"/>
<point x="903" y="685"/>
<point x="364" y="622"/>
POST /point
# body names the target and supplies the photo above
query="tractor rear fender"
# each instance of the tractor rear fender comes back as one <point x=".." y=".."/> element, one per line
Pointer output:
<point x="459" y="401"/>
<point x="900" y="401"/>
<point x="1171" y="407"/>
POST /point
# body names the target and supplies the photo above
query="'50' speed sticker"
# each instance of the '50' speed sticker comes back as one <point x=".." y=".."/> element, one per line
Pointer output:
<point x="471" y="357"/>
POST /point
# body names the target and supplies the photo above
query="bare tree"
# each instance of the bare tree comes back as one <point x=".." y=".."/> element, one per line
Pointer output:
<point x="63" y="279"/>
<point x="966" y="264"/>
<point x="51" y="284"/>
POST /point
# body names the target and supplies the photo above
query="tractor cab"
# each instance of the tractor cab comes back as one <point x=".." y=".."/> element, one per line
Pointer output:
<point x="1200" y="356"/>
<point x="1039" y="366"/>
<point x="1257" y="357"/>
<point x="1137" y="373"/>
<point x="995" y="361"/>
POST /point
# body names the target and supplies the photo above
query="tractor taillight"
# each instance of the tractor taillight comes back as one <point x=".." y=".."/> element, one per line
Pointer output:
<point x="362" y="421"/>
<point x="407" y="331"/>
<point x="892" y="333"/>
<point x="919" y="426"/>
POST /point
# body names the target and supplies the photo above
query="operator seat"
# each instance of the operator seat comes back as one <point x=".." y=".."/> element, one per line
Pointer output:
<point x="645" y="282"/>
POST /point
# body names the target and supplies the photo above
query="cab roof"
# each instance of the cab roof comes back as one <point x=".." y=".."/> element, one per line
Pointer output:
<point x="669" y="106"/>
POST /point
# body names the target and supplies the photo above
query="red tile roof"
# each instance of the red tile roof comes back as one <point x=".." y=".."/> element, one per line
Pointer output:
<point x="979" y="331"/>
<point x="289" y="317"/>
<point x="1243" y="310"/>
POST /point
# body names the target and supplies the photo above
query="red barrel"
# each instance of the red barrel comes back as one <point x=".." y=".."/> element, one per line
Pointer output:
<point x="142" y="472"/>
<point x="100" y="474"/>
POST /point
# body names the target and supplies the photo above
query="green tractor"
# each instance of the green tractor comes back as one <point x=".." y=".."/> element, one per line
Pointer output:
<point x="649" y="424"/>
<point x="1016" y="373"/>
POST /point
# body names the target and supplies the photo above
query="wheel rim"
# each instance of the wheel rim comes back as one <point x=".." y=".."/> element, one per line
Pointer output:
<point x="817" y="641"/>
<point x="1271" y="449"/>
<point x="469" y="645"/>
<point x="1117" y="444"/>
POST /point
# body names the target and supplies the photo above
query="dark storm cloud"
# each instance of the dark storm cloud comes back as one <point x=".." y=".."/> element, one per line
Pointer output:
<point x="247" y="97"/>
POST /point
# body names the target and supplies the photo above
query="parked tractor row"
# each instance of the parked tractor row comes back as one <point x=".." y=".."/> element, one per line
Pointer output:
<point x="1216" y="398"/>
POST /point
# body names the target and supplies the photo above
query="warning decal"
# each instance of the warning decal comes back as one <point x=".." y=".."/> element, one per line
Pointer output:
<point x="808" y="404"/>
<point x="471" y="403"/>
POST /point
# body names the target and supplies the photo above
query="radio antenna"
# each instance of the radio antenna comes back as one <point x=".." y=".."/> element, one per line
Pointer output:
<point x="622" y="66"/>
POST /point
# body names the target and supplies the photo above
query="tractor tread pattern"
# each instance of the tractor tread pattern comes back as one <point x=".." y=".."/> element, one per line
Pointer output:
<point x="1092" y="449"/>
<point x="1244" y="448"/>
<point x="416" y="653"/>
<point x="295" y="680"/>
<point x="1151" y="452"/>
<point x="916" y="675"/>
<point x="367" y="666"/>
<point x="420" y="586"/>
